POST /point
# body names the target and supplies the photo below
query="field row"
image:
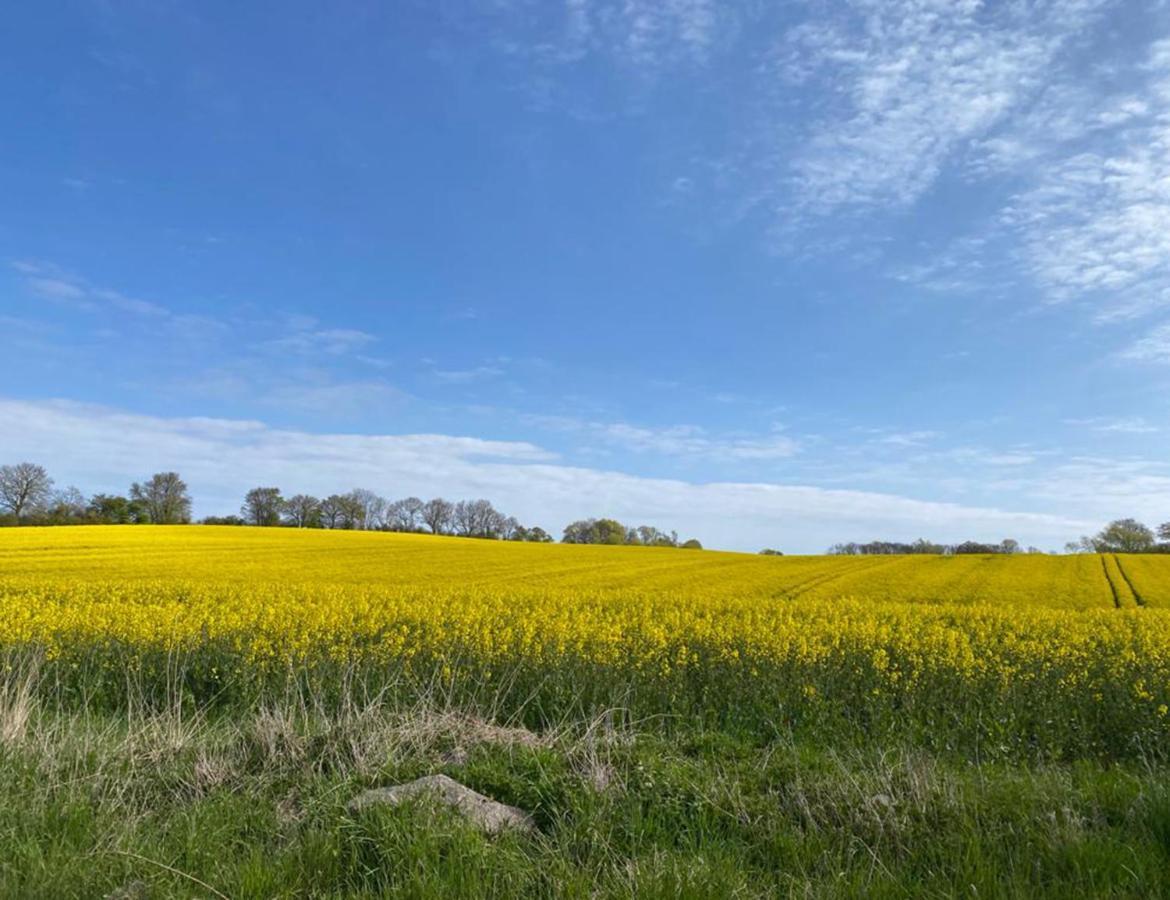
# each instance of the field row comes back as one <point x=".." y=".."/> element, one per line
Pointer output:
<point x="393" y="561"/>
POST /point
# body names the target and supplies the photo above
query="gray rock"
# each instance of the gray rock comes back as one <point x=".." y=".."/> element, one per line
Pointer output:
<point x="491" y="816"/>
<point x="132" y="890"/>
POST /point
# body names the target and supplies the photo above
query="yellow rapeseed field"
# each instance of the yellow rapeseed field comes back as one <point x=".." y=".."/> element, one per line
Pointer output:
<point x="1065" y="654"/>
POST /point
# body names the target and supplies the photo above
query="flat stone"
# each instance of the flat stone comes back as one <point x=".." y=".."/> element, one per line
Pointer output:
<point x="489" y="815"/>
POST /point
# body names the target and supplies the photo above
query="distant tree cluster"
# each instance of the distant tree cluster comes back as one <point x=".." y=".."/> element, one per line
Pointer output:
<point x="365" y="510"/>
<point x="923" y="546"/>
<point x="28" y="497"/>
<point x="613" y="532"/>
<point x="1124" y="536"/>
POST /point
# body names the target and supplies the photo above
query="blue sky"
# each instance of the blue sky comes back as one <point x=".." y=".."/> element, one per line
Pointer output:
<point x="769" y="274"/>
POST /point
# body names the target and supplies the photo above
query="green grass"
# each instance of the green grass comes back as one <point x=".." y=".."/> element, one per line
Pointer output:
<point x="251" y="801"/>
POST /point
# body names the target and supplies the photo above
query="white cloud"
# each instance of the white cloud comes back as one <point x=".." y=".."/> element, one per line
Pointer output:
<point x="1099" y="225"/>
<point x="683" y="441"/>
<point x="463" y="376"/>
<point x="104" y="449"/>
<point x="54" y="283"/>
<point x="54" y="288"/>
<point x="642" y="36"/>
<point x="918" y="81"/>
<point x="1153" y="348"/>
<point x="1105" y="424"/>
<point x="310" y="340"/>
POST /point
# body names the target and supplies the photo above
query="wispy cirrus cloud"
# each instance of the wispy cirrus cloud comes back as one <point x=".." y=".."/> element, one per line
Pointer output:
<point x="1152" y="348"/>
<point x="646" y="34"/>
<point x="680" y="441"/>
<point x="54" y="283"/>
<point x="311" y="340"/>
<point x="913" y="83"/>
<point x="1095" y="224"/>
<point x="1111" y="425"/>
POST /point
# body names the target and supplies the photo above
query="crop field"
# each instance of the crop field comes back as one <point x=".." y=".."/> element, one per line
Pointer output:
<point x="1025" y="654"/>
<point x="974" y="696"/>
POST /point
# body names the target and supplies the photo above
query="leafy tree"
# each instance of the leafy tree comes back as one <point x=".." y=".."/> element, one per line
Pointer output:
<point x="692" y="544"/>
<point x="165" y="498"/>
<point x="1124" y="536"/>
<point x="1164" y="531"/>
<point x="263" y="506"/>
<point x="111" y="509"/>
<point x="1009" y="546"/>
<point x="302" y="511"/>
<point x="351" y="511"/>
<point x="222" y="520"/>
<point x="537" y="535"/>
<point x="595" y="531"/>
<point x="768" y="551"/>
<point x="24" y="488"/>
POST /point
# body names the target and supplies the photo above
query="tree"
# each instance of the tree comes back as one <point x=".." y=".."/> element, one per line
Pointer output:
<point x="67" y="507"/>
<point x="537" y="535"/>
<point x="302" y="511"/>
<point x="24" y="488"/>
<point x="263" y="506"/>
<point x="437" y="515"/>
<point x="165" y="499"/>
<point x="595" y="531"/>
<point x="692" y="544"/>
<point x="768" y="551"/>
<point x="332" y="511"/>
<point x="405" y="514"/>
<point x="478" y="518"/>
<point x="1009" y="546"/>
<point x="111" y="509"/>
<point x="222" y="520"/>
<point x="367" y="510"/>
<point x="1124" y="536"/>
<point x="1164" y="531"/>
<point x="649" y="536"/>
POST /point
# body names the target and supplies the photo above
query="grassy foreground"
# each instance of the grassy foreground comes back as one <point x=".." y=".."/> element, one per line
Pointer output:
<point x="253" y="805"/>
<point x="187" y="712"/>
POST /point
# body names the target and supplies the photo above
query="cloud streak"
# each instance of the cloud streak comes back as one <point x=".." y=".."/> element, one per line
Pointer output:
<point x="105" y="448"/>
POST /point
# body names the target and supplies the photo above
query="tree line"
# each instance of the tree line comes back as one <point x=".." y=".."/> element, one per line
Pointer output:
<point x="28" y="496"/>
<point x="366" y="510"/>
<point x="613" y="532"/>
<point x="1007" y="546"/>
<point x="1124" y="536"/>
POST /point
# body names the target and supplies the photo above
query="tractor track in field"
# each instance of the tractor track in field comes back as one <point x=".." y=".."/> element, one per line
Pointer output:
<point x="1109" y="581"/>
<point x="810" y="584"/>
<point x="1129" y="581"/>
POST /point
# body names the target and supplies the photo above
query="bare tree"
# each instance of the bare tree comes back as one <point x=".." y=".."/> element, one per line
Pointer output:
<point x="332" y="511"/>
<point x="437" y="515"/>
<point x="263" y="506"/>
<point x="477" y="518"/>
<point x="369" y="509"/>
<point x="24" y="488"/>
<point x="302" y="511"/>
<point x="165" y="498"/>
<point x="405" y="514"/>
<point x="68" y="507"/>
